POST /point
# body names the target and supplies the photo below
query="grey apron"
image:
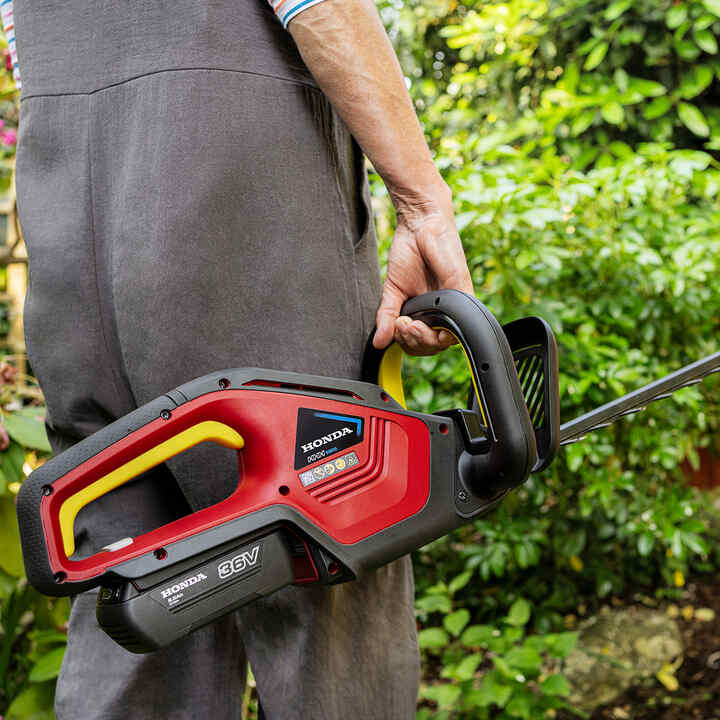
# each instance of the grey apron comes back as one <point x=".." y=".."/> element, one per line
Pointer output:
<point x="190" y="202"/>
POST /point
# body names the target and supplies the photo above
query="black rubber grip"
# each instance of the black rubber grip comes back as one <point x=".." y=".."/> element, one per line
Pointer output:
<point x="512" y="439"/>
<point x="32" y="536"/>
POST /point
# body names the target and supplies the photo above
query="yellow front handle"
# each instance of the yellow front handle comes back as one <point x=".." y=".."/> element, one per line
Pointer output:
<point x="209" y="430"/>
<point x="390" y="374"/>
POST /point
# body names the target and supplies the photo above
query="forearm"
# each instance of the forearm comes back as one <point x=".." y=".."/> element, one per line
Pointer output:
<point x="348" y="52"/>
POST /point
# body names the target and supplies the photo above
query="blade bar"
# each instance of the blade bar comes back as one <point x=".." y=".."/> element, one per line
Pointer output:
<point x="635" y="401"/>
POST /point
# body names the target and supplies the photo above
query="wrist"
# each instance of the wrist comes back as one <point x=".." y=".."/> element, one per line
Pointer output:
<point x="429" y="197"/>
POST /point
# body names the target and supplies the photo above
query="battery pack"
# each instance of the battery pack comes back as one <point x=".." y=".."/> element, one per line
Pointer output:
<point x="152" y="612"/>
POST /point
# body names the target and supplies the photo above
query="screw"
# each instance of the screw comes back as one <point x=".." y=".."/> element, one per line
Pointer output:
<point x="165" y="414"/>
<point x="47" y="490"/>
<point x="462" y="496"/>
<point x="224" y="383"/>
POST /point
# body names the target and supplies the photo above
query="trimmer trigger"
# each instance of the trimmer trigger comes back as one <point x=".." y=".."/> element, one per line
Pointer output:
<point x="474" y="434"/>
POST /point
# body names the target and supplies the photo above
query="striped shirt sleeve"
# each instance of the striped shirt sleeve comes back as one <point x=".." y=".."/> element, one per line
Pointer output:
<point x="6" y="10"/>
<point x="286" y="10"/>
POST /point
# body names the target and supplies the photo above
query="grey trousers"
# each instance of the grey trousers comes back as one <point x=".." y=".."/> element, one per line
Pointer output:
<point x="181" y="221"/>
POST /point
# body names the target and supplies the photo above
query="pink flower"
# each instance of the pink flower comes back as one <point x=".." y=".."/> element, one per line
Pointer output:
<point x="8" y="137"/>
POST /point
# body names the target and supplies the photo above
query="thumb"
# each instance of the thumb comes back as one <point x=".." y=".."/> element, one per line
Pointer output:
<point x="388" y="312"/>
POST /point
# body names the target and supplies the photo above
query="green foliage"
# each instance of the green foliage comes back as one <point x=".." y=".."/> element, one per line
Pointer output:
<point x="515" y="668"/>
<point x="579" y="74"/>
<point x="32" y="627"/>
<point x="579" y="139"/>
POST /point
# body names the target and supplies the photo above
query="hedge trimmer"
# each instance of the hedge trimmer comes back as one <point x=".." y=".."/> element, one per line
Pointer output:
<point x="335" y="476"/>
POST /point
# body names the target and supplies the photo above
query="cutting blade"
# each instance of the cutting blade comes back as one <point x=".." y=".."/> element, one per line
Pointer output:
<point x="638" y="400"/>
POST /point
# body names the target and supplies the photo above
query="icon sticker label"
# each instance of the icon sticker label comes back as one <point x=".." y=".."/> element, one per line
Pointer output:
<point x="323" y="472"/>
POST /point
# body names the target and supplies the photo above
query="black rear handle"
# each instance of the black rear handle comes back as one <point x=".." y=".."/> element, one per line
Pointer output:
<point x="510" y="451"/>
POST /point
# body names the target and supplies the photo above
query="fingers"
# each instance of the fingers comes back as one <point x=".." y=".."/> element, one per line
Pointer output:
<point x="417" y="338"/>
<point x="387" y="314"/>
<point x="414" y="336"/>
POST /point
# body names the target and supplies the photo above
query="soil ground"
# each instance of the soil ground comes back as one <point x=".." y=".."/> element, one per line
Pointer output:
<point x="698" y="694"/>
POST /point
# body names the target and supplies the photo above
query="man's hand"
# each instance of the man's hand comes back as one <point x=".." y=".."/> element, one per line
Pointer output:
<point x="426" y="255"/>
<point x="346" y="49"/>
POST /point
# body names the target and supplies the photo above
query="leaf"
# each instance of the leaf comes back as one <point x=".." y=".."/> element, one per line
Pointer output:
<point x="34" y="703"/>
<point x="432" y="638"/>
<point x="713" y="6"/>
<point x="434" y="603"/>
<point x="467" y="666"/>
<point x="48" y="637"/>
<point x="582" y="122"/>
<point x="666" y="675"/>
<point x="455" y="622"/>
<point x="561" y="644"/>
<point x="524" y="658"/>
<point x="597" y="55"/>
<point x="616" y="9"/>
<point x="658" y="107"/>
<point x="13" y="460"/>
<point x="622" y="79"/>
<point x="555" y="685"/>
<point x="695" y="543"/>
<point x="459" y="581"/>
<point x="492" y="692"/>
<point x="687" y="50"/>
<point x="477" y="635"/>
<point x="444" y="695"/>
<point x="27" y="430"/>
<point x="613" y="112"/>
<point x="676" y="16"/>
<point x="648" y="88"/>
<point x="693" y="119"/>
<point x="10" y="557"/>
<point x="621" y="150"/>
<point x="519" y="707"/>
<point x="695" y="80"/>
<point x="645" y="543"/>
<point x="519" y="613"/>
<point x="706" y="41"/>
<point x="704" y="21"/>
<point x="571" y="77"/>
<point x="48" y="666"/>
